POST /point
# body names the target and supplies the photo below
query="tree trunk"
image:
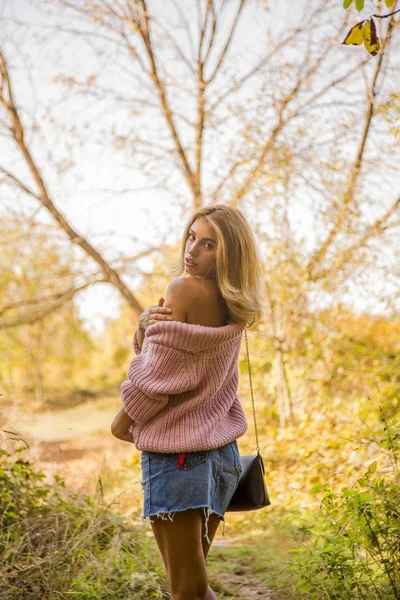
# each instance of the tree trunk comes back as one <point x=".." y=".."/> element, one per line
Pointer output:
<point x="285" y="407"/>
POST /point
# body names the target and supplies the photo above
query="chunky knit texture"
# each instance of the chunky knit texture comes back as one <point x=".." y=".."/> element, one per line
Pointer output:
<point x="182" y="388"/>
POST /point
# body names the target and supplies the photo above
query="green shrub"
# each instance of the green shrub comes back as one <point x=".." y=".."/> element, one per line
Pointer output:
<point x="55" y="544"/>
<point x="354" y="551"/>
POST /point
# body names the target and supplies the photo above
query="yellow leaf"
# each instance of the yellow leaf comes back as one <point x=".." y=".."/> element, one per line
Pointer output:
<point x="371" y="40"/>
<point x="355" y="35"/>
<point x="389" y="3"/>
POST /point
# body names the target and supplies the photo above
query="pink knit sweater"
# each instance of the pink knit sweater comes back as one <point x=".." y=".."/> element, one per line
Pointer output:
<point x="182" y="387"/>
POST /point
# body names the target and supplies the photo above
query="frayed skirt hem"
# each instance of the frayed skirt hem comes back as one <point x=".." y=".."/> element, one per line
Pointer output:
<point x="170" y="515"/>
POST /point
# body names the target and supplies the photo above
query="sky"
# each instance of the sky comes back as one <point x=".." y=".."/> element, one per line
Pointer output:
<point x="101" y="195"/>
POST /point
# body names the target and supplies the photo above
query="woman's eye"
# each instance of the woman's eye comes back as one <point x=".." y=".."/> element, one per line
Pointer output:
<point x="210" y="246"/>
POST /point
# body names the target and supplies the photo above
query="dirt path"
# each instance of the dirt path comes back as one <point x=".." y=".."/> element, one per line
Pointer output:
<point x="79" y="461"/>
<point x="246" y="585"/>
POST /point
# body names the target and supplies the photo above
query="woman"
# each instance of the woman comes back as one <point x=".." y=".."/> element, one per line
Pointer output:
<point x="180" y="405"/>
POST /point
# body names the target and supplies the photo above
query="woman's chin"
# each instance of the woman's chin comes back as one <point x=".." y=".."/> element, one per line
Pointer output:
<point x="191" y="269"/>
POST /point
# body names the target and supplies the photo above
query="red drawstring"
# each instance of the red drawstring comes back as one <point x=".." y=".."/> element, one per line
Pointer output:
<point x="181" y="460"/>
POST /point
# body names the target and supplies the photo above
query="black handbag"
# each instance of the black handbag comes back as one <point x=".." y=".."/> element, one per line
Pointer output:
<point x="251" y="492"/>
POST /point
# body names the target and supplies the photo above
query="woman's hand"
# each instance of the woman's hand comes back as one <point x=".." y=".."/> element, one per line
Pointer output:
<point x="120" y="426"/>
<point x="154" y="314"/>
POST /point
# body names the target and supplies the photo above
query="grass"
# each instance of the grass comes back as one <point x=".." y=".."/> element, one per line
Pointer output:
<point x="255" y="557"/>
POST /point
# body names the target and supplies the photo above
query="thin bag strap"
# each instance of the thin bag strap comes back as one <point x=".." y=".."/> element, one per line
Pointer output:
<point x="251" y="390"/>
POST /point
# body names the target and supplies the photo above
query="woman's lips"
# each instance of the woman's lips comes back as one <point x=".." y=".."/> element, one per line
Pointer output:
<point x="190" y="263"/>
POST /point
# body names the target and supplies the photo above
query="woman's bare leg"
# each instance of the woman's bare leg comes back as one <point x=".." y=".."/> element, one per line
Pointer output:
<point x="210" y="595"/>
<point x="184" y="550"/>
<point x="213" y="522"/>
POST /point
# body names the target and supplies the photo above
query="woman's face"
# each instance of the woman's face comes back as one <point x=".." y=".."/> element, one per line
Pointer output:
<point x="201" y="245"/>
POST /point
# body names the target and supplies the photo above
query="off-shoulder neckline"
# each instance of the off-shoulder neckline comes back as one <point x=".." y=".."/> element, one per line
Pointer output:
<point x="209" y="327"/>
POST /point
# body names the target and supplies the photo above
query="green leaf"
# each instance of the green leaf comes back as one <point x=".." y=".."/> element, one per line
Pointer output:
<point x="359" y="5"/>
<point x="12" y="514"/>
<point x="346" y="3"/>
<point x="320" y="487"/>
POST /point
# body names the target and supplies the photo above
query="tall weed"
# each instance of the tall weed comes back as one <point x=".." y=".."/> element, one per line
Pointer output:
<point x="56" y="544"/>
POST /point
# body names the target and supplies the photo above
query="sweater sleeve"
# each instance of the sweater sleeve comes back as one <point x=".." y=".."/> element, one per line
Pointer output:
<point x="153" y="376"/>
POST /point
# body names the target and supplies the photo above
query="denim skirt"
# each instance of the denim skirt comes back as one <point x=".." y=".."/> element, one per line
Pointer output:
<point x="174" y="482"/>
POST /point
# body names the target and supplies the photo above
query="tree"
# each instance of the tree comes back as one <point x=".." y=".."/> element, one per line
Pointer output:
<point x="293" y="132"/>
<point x="43" y="346"/>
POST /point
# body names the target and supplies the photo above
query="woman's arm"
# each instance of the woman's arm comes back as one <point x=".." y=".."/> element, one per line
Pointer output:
<point x="178" y="298"/>
<point x="151" y="315"/>
<point x="140" y="337"/>
<point x="138" y="398"/>
<point x="120" y="426"/>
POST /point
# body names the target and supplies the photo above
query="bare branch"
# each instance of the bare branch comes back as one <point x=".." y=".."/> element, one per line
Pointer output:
<point x="311" y="101"/>
<point x="228" y="42"/>
<point x="177" y="47"/>
<point x="18" y="183"/>
<point x="345" y="256"/>
<point x="202" y="27"/>
<point x="186" y="25"/>
<point x="17" y="131"/>
<point x="144" y="29"/>
<point x="263" y="154"/>
<point x="212" y="34"/>
<point x="388" y="15"/>
<point x="355" y="171"/>
<point x="255" y="70"/>
<point x="56" y="302"/>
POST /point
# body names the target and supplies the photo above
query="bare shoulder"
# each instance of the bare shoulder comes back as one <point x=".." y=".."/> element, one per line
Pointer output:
<point x="196" y="301"/>
<point x="179" y="297"/>
<point x="180" y="284"/>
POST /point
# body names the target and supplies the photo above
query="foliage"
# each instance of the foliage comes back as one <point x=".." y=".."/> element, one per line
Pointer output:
<point x="365" y="31"/>
<point x="349" y="357"/>
<point x="355" y="550"/>
<point x="108" y="365"/>
<point x="48" y="355"/>
<point x="57" y="544"/>
<point x="360" y="3"/>
<point x="390" y="110"/>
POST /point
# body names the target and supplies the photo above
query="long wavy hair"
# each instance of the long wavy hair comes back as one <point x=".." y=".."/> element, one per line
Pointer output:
<point x="238" y="269"/>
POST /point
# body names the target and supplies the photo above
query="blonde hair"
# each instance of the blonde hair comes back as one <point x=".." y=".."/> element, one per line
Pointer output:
<point x="238" y="265"/>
